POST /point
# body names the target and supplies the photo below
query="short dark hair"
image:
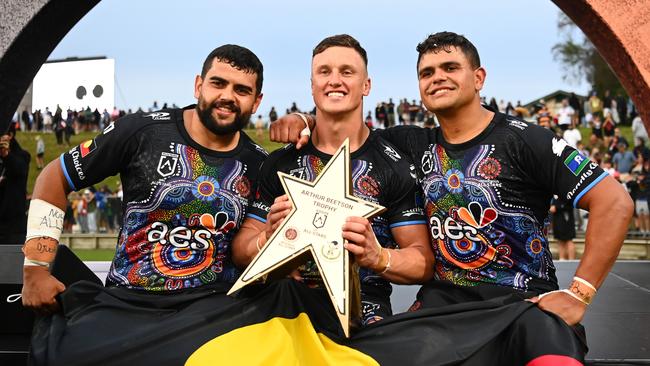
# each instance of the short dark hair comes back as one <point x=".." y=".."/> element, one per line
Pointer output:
<point x="444" y="41"/>
<point x="241" y="58"/>
<point x="341" y="40"/>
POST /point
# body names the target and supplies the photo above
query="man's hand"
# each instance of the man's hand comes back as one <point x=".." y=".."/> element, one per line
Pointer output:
<point x="571" y="310"/>
<point x="279" y="210"/>
<point x="362" y="242"/>
<point x="287" y="130"/>
<point x="39" y="290"/>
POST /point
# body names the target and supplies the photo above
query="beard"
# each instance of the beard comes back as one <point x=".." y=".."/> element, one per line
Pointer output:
<point x="204" y="111"/>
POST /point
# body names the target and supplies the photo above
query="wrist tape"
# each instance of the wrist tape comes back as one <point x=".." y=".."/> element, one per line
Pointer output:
<point x="44" y="219"/>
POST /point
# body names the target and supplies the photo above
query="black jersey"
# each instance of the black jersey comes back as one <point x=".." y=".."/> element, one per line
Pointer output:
<point x="183" y="203"/>
<point x="487" y="199"/>
<point x="380" y="174"/>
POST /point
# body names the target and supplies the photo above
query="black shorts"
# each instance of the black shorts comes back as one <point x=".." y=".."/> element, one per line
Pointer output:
<point x="374" y="307"/>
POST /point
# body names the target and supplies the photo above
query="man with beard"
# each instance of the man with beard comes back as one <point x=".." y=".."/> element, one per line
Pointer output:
<point x="188" y="175"/>
<point x="488" y="180"/>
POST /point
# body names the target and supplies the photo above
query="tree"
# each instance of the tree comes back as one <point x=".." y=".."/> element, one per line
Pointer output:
<point x="581" y="60"/>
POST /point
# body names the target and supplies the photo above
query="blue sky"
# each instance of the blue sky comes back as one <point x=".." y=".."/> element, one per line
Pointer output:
<point x="159" y="46"/>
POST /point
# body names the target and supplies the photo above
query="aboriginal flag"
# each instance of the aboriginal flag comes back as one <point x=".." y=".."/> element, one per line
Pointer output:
<point x="87" y="147"/>
<point x="286" y="323"/>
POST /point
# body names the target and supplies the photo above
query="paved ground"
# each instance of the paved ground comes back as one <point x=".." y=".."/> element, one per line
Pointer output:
<point x="618" y="321"/>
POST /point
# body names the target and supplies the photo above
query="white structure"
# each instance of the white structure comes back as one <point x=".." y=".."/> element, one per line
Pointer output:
<point x="76" y="84"/>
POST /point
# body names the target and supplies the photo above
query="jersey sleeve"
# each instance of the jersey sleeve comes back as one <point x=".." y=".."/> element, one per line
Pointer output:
<point x="93" y="160"/>
<point x="404" y="199"/>
<point x="563" y="169"/>
<point x="268" y="188"/>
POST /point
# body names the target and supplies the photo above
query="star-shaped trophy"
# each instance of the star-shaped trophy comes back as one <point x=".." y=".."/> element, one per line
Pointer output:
<point x="314" y="227"/>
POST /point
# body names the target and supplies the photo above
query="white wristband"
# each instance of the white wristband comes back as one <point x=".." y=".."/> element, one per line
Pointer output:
<point x="305" y="131"/>
<point x="44" y="219"/>
<point x="34" y="263"/>
<point x="585" y="282"/>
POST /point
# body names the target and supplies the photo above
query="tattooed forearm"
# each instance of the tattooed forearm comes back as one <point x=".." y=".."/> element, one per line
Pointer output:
<point x="42" y="248"/>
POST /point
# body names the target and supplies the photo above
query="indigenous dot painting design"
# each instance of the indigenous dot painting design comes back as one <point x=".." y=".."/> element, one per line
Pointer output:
<point x="179" y="237"/>
<point x="476" y="236"/>
<point x="205" y="188"/>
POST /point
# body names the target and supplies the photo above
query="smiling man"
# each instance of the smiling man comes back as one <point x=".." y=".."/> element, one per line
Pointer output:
<point x="389" y="248"/>
<point x="188" y="175"/>
<point x="488" y="180"/>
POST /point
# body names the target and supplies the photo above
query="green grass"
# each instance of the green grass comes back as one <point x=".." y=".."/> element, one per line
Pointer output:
<point x="27" y="141"/>
<point x="91" y="255"/>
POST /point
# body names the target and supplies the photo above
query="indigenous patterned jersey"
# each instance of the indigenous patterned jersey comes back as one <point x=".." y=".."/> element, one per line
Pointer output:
<point x="183" y="203"/>
<point x="487" y="199"/>
<point x="379" y="174"/>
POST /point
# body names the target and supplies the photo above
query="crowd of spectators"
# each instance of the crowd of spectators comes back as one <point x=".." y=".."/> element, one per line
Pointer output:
<point x="67" y="122"/>
<point x="98" y="210"/>
<point x="94" y="211"/>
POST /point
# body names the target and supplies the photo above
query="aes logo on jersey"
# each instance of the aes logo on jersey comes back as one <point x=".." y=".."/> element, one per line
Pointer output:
<point x="167" y="164"/>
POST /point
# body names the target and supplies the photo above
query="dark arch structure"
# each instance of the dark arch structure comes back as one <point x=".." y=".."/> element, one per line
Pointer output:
<point x="31" y="29"/>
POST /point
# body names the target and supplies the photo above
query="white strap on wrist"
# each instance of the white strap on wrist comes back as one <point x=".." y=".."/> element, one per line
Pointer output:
<point x="34" y="263"/>
<point x="305" y="131"/>
<point x="44" y="219"/>
<point x="585" y="282"/>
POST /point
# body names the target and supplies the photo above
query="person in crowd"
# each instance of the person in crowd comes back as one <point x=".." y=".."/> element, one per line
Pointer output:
<point x="14" y="169"/>
<point x="40" y="151"/>
<point x="608" y="126"/>
<point x="572" y="135"/>
<point x="623" y="160"/>
<point x="639" y="130"/>
<point x="259" y="128"/>
<point x="564" y="229"/>
<point x="565" y="115"/>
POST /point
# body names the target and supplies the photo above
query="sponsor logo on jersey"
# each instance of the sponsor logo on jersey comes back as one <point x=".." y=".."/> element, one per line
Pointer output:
<point x="260" y="149"/>
<point x="518" y="124"/>
<point x="167" y="164"/>
<point x="180" y="236"/>
<point x="391" y="153"/>
<point x="159" y="116"/>
<point x="583" y="178"/>
<point x="558" y="146"/>
<point x="464" y="223"/>
<point x="196" y="234"/>
<point x="427" y="162"/>
<point x="452" y="229"/>
<point x="76" y="162"/>
<point x="413" y="211"/>
<point x="87" y="147"/>
<point x="109" y="128"/>
<point x="261" y="206"/>
<point x="576" y="162"/>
